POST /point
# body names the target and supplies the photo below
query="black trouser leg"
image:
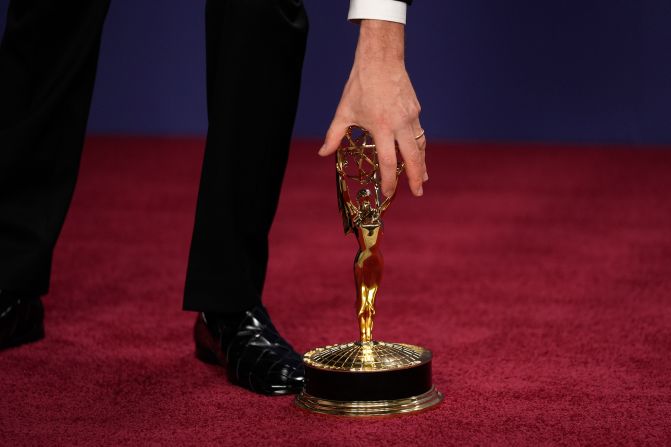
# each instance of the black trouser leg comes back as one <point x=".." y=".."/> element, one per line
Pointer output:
<point x="48" y="60"/>
<point x="255" y="54"/>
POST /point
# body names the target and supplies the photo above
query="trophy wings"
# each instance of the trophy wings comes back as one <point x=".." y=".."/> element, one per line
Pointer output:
<point x="357" y="163"/>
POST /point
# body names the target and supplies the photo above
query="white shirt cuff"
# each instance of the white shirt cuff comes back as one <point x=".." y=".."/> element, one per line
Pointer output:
<point x="390" y="10"/>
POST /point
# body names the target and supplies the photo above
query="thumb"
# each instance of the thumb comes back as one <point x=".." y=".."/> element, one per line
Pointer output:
<point x="334" y="136"/>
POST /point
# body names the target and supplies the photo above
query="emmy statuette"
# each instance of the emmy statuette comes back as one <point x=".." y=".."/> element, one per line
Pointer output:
<point x="366" y="377"/>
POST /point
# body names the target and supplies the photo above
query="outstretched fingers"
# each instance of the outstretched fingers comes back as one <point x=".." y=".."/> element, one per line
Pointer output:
<point x="334" y="135"/>
<point x="413" y="157"/>
<point x="421" y="144"/>
<point x="386" y="157"/>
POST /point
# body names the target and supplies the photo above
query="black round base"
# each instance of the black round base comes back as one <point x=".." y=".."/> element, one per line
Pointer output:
<point x="368" y="385"/>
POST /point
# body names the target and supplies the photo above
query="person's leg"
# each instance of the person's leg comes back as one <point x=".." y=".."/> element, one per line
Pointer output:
<point x="255" y="52"/>
<point x="48" y="58"/>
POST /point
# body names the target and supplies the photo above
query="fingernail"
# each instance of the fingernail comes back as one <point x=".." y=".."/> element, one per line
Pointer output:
<point x="426" y="176"/>
<point x="420" y="191"/>
<point x="321" y="150"/>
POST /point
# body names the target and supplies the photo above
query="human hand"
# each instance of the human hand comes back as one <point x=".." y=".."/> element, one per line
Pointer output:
<point x="380" y="98"/>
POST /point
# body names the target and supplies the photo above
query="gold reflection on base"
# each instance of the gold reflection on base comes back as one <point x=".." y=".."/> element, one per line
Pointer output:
<point x="369" y="408"/>
<point x="368" y="356"/>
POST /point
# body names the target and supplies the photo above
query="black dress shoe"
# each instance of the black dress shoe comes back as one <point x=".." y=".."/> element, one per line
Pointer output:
<point x="248" y="345"/>
<point x="21" y="320"/>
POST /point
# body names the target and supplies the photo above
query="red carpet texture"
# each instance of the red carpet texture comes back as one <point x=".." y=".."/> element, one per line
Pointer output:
<point x="539" y="276"/>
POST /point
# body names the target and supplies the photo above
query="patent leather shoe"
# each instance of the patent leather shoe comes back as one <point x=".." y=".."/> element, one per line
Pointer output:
<point x="21" y="320"/>
<point x="254" y="354"/>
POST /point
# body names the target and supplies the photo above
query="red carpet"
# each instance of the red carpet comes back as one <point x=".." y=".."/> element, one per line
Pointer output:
<point x="540" y="277"/>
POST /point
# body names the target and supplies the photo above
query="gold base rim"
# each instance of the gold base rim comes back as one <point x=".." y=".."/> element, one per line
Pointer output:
<point x="369" y="408"/>
<point x="405" y="356"/>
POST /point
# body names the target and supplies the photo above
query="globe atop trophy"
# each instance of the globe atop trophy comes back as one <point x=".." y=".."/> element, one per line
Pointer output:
<point x="366" y="377"/>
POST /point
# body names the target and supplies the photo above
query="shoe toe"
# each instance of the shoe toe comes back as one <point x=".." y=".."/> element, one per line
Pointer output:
<point x="254" y="353"/>
<point x="287" y="379"/>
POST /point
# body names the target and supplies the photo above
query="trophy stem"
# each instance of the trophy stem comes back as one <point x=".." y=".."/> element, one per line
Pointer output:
<point x="368" y="265"/>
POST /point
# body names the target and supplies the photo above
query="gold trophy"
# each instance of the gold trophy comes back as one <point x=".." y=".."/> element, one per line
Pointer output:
<point x="366" y="377"/>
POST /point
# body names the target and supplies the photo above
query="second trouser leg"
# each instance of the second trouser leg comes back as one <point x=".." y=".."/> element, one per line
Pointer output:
<point x="48" y="60"/>
<point x="255" y="52"/>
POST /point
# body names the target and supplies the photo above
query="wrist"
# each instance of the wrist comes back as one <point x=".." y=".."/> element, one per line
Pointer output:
<point x="380" y="40"/>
